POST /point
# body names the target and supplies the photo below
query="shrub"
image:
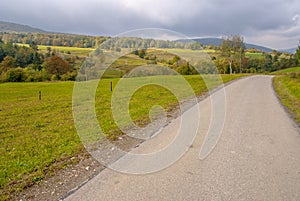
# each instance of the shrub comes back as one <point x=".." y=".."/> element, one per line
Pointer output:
<point x="69" y="76"/>
<point x="251" y="70"/>
<point x="151" y="62"/>
<point x="55" y="77"/>
<point x="15" y="75"/>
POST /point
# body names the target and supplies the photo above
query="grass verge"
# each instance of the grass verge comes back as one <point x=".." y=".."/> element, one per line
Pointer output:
<point x="288" y="89"/>
<point x="286" y="71"/>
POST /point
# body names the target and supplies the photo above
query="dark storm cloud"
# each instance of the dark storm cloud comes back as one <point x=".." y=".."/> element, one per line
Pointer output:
<point x="269" y="22"/>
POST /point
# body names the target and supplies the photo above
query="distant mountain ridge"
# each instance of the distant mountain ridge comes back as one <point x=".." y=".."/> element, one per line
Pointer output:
<point x="13" y="27"/>
<point x="219" y="41"/>
<point x="291" y="50"/>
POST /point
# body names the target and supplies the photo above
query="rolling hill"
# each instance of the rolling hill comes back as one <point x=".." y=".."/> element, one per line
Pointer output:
<point x="291" y="50"/>
<point x="13" y="27"/>
<point x="218" y="42"/>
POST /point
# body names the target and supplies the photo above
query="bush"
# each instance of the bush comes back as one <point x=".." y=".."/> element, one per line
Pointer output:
<point x="151" y="62"/>
<point x="32" y="75"/>
<point x="251" y="70"/>
<point x="55" y="77"/>
<point x="69" y="76"/>
<point x="15" y="75"/>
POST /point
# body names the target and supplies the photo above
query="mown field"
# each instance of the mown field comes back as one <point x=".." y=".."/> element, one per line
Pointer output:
<point x="38" y="136"/>
<point x="75" y="51"/>
<point x="255" y="55"/>
<point x="287" y="86"/>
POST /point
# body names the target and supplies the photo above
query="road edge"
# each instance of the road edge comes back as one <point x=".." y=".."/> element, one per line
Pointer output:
<point x="199" y="99"/>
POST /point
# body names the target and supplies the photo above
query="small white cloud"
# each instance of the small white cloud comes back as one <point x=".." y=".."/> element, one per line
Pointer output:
<point x="295" y="18"/>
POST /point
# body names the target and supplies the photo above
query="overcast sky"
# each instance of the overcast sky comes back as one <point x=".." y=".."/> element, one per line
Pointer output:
<point x="272" y="23"/>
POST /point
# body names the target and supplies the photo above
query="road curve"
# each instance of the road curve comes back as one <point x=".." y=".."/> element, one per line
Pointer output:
<point x="257" y="156"/>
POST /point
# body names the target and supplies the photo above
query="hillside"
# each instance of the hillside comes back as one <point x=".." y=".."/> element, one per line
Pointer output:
<point x="291" y="50"/>
<point x="13" y="27"/>
<point x="218" y="42"/>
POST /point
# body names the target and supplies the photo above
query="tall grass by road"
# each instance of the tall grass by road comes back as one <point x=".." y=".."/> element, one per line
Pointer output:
<point x="288" y="89"/>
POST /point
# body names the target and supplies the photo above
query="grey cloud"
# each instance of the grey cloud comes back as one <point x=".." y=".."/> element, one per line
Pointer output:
<point x="252" y="19"/>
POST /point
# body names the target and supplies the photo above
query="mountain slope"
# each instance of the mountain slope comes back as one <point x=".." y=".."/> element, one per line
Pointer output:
<point x="291" y="50"/>
<point x="13" y="27"/>
<point x="218" y="41"/>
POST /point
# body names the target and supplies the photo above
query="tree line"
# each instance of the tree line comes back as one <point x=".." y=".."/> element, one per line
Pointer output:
<point x="21" y="63"/>
<point x="83" y="41"/>
<point x="53" y="39"/>
<point x="231" y="58"/>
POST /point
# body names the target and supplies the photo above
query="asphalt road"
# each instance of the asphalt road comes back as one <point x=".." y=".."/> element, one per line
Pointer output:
<point x="257" y="156"/>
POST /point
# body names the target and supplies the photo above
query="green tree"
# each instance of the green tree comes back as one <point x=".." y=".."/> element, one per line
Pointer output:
<point x="298" y="53"/>
<point x="9" y="49"/>
<point x="15" y="75"/>
<point x="34" y="46"/>
<point x="267" y="64"/>
<point x="186" y="69"/>
<point x="2" y="55"/>
<point x="233" y="48"/>
<point x="48" y="51"/>
<point x="142" y="53"/>
<point x="7" y="63"/>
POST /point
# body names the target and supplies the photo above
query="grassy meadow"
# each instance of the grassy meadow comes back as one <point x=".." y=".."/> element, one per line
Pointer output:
<point x="38" y="136"/>
<point x="254" y="55"/>
<point x="75" y="51"/>
<point x="287" y="86"/>
<point x="34" y="134"/>
<point x="286" y="71"/>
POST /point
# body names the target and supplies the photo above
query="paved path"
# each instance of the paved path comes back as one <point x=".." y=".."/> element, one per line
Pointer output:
<point x="256" y="158"/>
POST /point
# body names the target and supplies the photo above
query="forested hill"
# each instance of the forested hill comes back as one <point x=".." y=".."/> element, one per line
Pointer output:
<point x="219" y="41"/>
<point x="13" y="27"/>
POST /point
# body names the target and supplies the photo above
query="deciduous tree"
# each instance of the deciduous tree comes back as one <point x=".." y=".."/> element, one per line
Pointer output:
<point x="298" y="53"/>
<point x="57" y="66"/>
<point x="233" y="48"/>
<point x="7" y="63"/>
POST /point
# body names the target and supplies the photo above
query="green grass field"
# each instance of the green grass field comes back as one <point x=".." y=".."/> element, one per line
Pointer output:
<point x="287" y="71"/>
<point x="185" y="50"/>
<point x="34" y="134"/>
<point x="254" y="55"/>
<point x="37" y="135"/>
<point x="75" y="51"/>
<point x="288" y="89"/>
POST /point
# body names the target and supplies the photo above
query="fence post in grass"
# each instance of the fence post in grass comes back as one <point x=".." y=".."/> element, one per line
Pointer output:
<point x="111" y="86"/>
<point x="40" y="95"/>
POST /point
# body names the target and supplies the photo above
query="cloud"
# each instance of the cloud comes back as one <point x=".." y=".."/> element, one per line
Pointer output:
<point x="274" y="23"/>
<point x="295" y="18"/>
